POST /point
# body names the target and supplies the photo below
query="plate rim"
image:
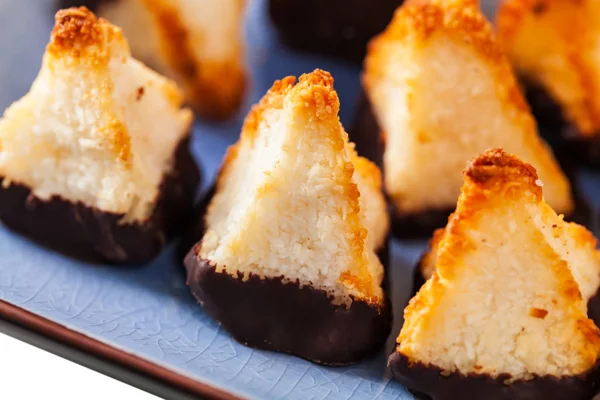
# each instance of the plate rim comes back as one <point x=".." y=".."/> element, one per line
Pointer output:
<point x="70" y="337"/>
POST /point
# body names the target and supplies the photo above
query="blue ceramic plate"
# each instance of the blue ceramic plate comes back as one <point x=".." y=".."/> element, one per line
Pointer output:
<point x="147" y="311"/>
<point x="145" y="316"/>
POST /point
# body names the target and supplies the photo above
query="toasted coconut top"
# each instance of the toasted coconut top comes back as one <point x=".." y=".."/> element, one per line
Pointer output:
<point x="443" y="92"/>
<point x="504" y="297"/>
<point x="288" y="198"/>
<point x="199" y="43"/>
<point x="97" y="126"/>
<point x="554" y="43"/>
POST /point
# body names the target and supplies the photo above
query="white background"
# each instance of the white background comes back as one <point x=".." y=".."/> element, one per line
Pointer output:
<point x="27" y="372"/>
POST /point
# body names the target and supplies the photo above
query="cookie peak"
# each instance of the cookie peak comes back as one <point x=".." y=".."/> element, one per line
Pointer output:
<point x="78" y="32"/>
<point x="497" y="165"/>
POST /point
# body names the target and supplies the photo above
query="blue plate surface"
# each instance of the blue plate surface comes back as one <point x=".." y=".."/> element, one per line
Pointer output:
<point x="147" y="310"/>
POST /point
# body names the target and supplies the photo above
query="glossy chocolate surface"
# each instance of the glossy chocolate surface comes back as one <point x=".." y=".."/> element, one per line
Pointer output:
<point x="431" y="383"/>
<point x="339" y="28"/>
<point x="91" y="4"/>
<point x="81" y="231"/>
<point x="272" y="314"/>
<point x="565" y="139"/>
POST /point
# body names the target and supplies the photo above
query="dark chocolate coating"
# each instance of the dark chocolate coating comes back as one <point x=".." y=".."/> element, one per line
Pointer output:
<point x="292" y="323"/>
<point x="384" y="255"/>
<point x="427" y="382"/>
<point x="92" y="5"/>
<point x="418" y="278"/>
<point x="339" y="28"/>
<point x="564" y="137"/>
<point x="194" y="228"/>
<point x="594" y="308"/>
<point x="365" y="132"/>
<point x="272" y="315"/>
<point x="418" y="225"/>
<point x="302" y="321"/>
<point x="81" y="231"/>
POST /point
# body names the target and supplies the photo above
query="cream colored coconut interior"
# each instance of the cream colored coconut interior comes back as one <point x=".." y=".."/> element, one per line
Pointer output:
<point x="438" y="105"/>
<point x="281" y="210"/>
<point x="373" y="206"/>
<point x="575" y="246"/>
<point x="573" y="243"/>
<point x="374" y="216"/>
<point x="101" y="131"/>
<point x="506" y="309"/>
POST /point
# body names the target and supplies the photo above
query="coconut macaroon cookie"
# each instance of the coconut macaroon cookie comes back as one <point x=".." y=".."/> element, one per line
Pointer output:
<point x="575" y="245"/>
<point x="198" y="43"/>
<point x="288" y="261"/>
<point x="553" y="45"/>
<point x="94" y="160"/>
<point x="503" y="315"/>
<point x="442" y="92"/>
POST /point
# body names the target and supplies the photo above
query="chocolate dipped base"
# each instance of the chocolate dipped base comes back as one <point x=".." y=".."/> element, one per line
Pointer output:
<point x="92" y="5"/>
<point x="194" y="227"/>
<point x="427" y="382"/>
<point x="270" y="314"/>
<point x="569" y="145"/>
<point x="339" y="28"/>
<point x="81" y="231"/>
<point x="418" y="225"/>
<point x="418" y="278"/>
<point x="365" y="133"/>
<point x="594" y="308"/>
<point x="288" y="324"/>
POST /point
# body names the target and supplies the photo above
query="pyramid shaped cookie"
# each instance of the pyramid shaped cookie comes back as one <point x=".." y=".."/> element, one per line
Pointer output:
<point x="199" y="44"/>
<point x="286" y="222"/>
<point x="553" y="46"/>
<point x="503" y="316"/>
<point x="443" y="92"/>
<point x="575" y="244"/>
<point x="94" y="159"/>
